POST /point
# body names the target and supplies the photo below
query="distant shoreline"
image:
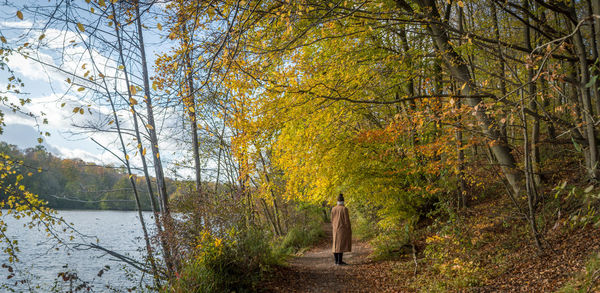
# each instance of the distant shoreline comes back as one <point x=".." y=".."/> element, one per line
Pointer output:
<point x="97" y="210"/>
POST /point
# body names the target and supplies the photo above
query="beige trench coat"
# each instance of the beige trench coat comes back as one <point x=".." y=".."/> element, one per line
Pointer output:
<point x="342" y="232"/>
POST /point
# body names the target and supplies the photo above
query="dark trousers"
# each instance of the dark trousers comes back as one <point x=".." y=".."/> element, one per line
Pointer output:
<point x="338" y="257"/>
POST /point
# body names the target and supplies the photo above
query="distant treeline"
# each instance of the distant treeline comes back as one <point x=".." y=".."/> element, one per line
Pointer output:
<point x="76" y="184"/>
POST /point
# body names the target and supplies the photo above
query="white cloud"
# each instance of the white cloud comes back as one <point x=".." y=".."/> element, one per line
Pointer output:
<point x="23" y="24"/>
<point x="100" y="158"/>
<point x="32" y="69"/>
<point x="58" y="117"/>
<point x="16" y="118"/>
<point x="61" y="55"/>
<point x="59" y="39"/>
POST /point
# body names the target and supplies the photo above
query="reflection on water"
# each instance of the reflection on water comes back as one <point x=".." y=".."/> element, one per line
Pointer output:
<point x="41" y="263"/>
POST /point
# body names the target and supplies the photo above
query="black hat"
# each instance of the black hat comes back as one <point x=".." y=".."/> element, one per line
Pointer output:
<point x="341" y="197"/>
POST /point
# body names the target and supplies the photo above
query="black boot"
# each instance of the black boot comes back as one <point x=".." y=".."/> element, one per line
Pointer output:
<point x="340" y="261"/>
<point x="336" y="257"/>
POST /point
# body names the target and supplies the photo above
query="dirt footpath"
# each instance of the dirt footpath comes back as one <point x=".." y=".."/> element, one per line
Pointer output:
<point x="315" y="271"/>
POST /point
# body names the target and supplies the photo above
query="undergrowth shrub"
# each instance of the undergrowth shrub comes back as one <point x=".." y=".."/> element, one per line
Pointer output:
<point x="448" y="255"/>
<point x="450" y="262"/>
<point x="389" y="246"/>
<point x="222" y="246"/>
<point x="235" y="262"/>
<point x="365" y="219"/>
<point x="305" y="231"/>
<point x="364" y="228"/>
<point x="300" y="237"/>
<point x="580" y="205"/>
<point x="393" y="241"/>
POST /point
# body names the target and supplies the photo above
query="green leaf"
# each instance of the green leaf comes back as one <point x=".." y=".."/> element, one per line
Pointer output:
<point x="563" y="185"/>
<point x="576" y="145"/>
<point x="592" y="81"/>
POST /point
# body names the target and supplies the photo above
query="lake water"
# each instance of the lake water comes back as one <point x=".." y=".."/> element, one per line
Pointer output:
<point x="39" y="262"/>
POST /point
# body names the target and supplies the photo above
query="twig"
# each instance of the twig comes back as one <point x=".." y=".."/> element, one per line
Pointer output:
<point x="414" y="255"/>
<point x="128" y="260"/>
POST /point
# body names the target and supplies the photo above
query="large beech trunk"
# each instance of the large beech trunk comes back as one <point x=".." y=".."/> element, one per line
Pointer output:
<point x="460" y="72"/>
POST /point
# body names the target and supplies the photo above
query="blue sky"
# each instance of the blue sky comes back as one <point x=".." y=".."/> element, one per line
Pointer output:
<point x="48" y="91"/>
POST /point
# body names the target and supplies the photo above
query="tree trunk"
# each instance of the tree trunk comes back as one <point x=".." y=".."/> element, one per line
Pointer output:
<point x="192" y="106"/>
<point x="269" y="217"/>
<point x="221" y="146"/>
<point x="126" y="156"/>
<point x="532" y="89"/>
<point x="274" y="197"/>
<point x="594" y="45"/>
<point x="136" y="129"/>
<point x="409" y="87"/>
<point x="596" y="11"/>
<point x="588" y="115"/>
<point x="136" y="196"/>
<point x="531" y="196"/>
<point x="460" y="72"/>
<point x="151" y="127"/>
<point x="462" y="189"/>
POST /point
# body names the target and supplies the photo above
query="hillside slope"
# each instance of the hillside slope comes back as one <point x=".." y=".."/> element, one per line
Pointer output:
<point x="484" y="252"/>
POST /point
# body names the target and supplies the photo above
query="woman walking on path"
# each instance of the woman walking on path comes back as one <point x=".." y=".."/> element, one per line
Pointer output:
<point x="342" y="232"/>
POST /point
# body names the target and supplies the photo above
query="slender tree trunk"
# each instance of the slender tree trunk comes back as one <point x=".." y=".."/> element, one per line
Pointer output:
<point x="409" y="87"/>
<point x="131" y="176"/>
<point x="221" y="146"/>
<point x="545" y="97"/>
<point x="135" y="193"/>
<point x="436" y="103"/>
<point x="277" y="213"/>
<point x="535" y="131"/>
<point x="275" y="208"/>
<point x="149" y="249"/>
<point x="574" y="96"/>
<point x="529" y="179"/>
<point x="140" y="147"/>
<point x="166" y="247"/>
<point x="462" y="188"/>
<point x="594" y="45"/>
<point x="503" y="91"/>
<point x="269" y="217"/>
<point x="192" y="106"/>
<point x="151" y="127"/>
